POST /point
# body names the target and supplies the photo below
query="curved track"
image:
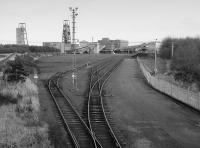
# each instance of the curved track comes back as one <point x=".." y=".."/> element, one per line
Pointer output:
<point x="98" y="133"/>
<point x="97" y="118"/>
<point x="76" y="128"/>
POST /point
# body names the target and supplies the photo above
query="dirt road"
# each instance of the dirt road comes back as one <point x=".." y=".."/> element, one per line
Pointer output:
<point x="146" y="118"/>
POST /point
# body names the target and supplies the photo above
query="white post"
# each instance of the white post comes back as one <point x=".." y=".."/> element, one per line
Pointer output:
<point x="172" y="54"/>
<point x="74" y="80"/>
<point x="35" y="76"/>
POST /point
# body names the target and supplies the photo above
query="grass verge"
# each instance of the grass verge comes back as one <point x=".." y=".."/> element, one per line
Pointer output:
<point x="19" y="123"/>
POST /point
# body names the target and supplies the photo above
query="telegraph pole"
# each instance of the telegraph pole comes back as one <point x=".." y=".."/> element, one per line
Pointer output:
<point x="155" y="64"/>
<point x="172" y="54"/>
<point x="74" y="15"/>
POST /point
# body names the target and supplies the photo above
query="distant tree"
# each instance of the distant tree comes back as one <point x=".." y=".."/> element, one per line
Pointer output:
<point x="165" y="48"/>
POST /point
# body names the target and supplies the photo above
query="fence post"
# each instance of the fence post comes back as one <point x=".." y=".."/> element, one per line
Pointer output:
<point x="171" y="89"/>
<point x="199" y="101"/>
<point x="188" y="95"/>
<point x="150" y="79"/>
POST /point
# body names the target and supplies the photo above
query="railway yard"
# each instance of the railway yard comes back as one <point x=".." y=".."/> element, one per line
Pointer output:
<point x="86" y="74"/>
<point x="110" y="105"/>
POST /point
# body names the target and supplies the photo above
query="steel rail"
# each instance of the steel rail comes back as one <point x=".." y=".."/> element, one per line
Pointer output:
<point x="103" y="107"/>
<point x="96" y="142"/>
<point x="92" y="86"/>
<point x="73" y="139"/>
<point x="101" y="65"/>
<point x="51" y="82"/>
<point x="79" y="132"/>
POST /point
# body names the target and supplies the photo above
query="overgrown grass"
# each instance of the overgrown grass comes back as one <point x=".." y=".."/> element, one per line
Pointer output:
<point x="23" y="92"/>
<point x="14" y="133"/>
<point x="19" y="123"/>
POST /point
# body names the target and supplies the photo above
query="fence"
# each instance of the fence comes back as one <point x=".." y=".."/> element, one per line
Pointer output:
<point x="184" y="95"/>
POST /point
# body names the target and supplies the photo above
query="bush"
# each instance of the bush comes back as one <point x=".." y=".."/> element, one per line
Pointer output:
<point x="14" y="71"/>
<point x="27" y="62"/>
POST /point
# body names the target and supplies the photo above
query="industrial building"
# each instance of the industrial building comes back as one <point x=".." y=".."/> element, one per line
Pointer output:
<point x="63" y="47"/>
<point x="111" y="45"/>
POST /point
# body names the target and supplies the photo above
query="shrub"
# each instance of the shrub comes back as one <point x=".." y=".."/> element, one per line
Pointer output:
<point x="27" y="62"/>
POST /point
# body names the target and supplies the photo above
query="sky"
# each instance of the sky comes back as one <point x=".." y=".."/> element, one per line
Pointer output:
<point x="132" y="20"/>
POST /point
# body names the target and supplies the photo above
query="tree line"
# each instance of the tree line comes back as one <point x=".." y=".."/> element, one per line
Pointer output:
<point x="24" y="48"/>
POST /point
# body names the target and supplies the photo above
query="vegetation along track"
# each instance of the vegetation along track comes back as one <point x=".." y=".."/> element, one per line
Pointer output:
<point x="97" y="117"/>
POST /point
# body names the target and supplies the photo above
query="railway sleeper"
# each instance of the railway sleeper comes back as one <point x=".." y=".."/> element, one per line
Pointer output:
<point x="97" y="109"/>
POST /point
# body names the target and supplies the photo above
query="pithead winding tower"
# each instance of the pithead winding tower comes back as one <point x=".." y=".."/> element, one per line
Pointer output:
<point x="21" y="34"/>
<point x="66" y="35"/>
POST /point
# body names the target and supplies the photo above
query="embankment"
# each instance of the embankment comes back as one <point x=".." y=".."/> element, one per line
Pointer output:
<point x="185" y="96"/>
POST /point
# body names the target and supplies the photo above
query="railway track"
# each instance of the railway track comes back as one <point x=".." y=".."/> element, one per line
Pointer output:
<point x="80" y="134"/>
<point x="97" y="118"/>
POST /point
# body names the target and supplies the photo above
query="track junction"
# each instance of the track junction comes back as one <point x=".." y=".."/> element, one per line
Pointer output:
<point x="96" y="131"/>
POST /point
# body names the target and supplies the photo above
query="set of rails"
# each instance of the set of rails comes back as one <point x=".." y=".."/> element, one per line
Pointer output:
<point x="77" y="129"/>
<point x="96" y="132"/>
<point x="98" y="120"/>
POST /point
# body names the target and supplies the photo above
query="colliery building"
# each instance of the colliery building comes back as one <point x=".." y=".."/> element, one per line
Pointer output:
<point x="63" y="47"/>
<point x="111" y="45"/>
